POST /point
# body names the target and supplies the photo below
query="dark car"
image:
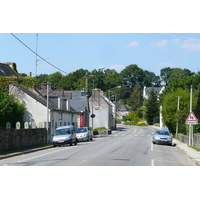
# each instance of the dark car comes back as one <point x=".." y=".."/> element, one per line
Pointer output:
<point x="83" y="134"/>
<point x="162" y="137"/>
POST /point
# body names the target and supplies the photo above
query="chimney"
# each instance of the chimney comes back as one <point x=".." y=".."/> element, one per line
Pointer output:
<point x="96" y="96"/>
<point x="67" y="105"/>
<point x="60" y="103"/>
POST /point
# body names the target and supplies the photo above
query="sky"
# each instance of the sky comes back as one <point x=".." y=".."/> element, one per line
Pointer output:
<point x="69" y="52"/>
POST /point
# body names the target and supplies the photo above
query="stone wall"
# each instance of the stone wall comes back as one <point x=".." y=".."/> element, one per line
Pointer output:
<point x="185" y="139"/>
<point x="16" y="139"/>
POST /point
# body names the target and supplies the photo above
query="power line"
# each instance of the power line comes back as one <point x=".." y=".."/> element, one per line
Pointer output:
<point x="37" y="54"/>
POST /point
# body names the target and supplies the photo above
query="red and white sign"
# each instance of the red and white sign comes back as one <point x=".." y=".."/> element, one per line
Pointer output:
<point x="191" y="119"/>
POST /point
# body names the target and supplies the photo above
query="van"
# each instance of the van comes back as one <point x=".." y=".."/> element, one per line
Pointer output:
<point x="64" y="135"/>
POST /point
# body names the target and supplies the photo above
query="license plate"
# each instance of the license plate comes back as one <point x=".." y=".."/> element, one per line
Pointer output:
<point x="60" y="141"/>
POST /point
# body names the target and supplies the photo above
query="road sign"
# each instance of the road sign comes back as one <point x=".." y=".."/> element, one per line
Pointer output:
<point x="191" y="119"/>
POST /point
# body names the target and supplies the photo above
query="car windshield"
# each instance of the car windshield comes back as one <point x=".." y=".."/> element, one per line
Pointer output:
<point x="81" y="130"/>
<point x="64" y="131"/>
<point x="162" y="132"/>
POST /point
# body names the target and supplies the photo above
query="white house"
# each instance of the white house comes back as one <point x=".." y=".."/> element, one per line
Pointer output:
<point x="36" y="109"/>
<point x="103" y="109"/>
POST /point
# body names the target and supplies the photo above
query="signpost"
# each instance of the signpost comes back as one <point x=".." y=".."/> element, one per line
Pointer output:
<point x="191" y="120"/>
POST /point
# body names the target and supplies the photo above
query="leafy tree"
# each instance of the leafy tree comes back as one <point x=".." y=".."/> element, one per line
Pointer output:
<point x="10" y="110"/>
<point x="40" y="79"/>
<point x="168" y="73"/>
<point x="135" y="100"/>
<point x="169" y="108"/>
<point x="112" y="79"/>
<point x="132" y="75"/>
<point x="55" y="80"/>
<point x="152" y="107"/>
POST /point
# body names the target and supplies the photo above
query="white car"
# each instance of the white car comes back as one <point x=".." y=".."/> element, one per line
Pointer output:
<point x="64" y="135"/>
<point x="83" y="134"/>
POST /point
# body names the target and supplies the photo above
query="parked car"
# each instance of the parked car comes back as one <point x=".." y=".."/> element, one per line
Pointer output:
<point x="162" y="137"/>
<point x="83" y="134"/>
<point x="64" y="135"/>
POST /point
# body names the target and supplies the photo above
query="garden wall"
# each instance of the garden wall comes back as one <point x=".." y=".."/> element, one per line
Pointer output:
<point x="20" y="138"/>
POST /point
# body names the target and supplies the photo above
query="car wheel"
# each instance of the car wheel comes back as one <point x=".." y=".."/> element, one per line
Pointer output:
<point x="91" y="139"/>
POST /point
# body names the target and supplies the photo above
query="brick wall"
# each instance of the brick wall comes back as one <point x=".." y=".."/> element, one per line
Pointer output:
<point x="16" y="139"/>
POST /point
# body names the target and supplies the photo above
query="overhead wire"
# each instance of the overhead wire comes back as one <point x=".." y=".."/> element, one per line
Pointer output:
<point x="37" y="54"/>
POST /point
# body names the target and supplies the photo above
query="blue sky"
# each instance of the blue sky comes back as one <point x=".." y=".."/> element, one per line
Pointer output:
<point x="72" y="51"/>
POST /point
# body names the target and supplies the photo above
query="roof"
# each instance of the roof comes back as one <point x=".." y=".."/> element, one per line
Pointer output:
<point x="35" y="94"/>
<point x="6" y="70"/>
<point x="147" y="90"/>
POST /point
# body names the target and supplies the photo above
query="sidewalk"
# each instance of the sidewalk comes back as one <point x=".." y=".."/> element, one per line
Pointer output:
<point x="188" y="151"/>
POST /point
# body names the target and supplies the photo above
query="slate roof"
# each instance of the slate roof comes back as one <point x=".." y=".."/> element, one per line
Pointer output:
<point x="5" y="70"/>
<point x="35" y="94"/>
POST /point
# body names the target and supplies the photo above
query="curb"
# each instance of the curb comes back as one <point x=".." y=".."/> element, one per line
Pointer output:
<point x="24" y="152"/>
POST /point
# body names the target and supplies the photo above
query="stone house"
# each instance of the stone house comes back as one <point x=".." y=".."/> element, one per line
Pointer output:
<point x="103" y="109"/>
<point x="59" y="111"/>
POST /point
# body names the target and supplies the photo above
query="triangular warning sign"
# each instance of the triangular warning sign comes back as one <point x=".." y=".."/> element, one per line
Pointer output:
<point x="191" y="117"/>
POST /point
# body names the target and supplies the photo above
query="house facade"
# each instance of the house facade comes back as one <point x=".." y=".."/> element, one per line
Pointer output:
<point x="102" y="110"/>
<point x="58" y="114"/>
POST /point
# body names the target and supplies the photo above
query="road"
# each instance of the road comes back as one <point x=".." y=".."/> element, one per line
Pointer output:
<point x="131" y="146"/>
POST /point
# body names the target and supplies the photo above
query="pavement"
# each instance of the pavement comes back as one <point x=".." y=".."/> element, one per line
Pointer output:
<point x="188" y="151"/>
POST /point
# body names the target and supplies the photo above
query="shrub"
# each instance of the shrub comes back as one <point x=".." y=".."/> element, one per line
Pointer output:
<point x="141" y="123"/>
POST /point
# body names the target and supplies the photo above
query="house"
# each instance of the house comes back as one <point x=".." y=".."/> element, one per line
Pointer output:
<point x="147" y="90"/>
<point x="6" y="70"/>
<point x="102" y="110"/>
<point x="59" y="112"/>
<point x="159" y="90"/>
<point x="76" y="99"/>
<point x="121" y="110"/>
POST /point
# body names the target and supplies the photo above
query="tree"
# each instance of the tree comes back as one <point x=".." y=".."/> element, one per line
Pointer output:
<point x="55" y="79"/>
<point x="132" y="75"/>
<point x="152" y="107"/>
<point x="169" y="108"/>
<point x="135" y="100"/>
<point x="10" y="110"/>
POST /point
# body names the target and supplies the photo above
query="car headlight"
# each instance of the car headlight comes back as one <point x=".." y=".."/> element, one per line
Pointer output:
<point x="157" y="137"/>
<point x="67" y="138"/>
<point x="85" y="135"/>
<point x="169" y="138"/>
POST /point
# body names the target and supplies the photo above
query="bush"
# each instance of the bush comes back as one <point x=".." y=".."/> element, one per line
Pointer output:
<point x="141" y="123"/>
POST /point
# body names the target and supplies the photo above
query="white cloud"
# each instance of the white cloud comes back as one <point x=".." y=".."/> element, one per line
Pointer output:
<point x="191" y="44"/>
<point x="188" y="44"/>
<point x="117" y="67"/>
<point x="165" y="64"/>
<point x="132" y="44"/>
<point x="176" y="40"/>
<point x="159" y="44"/>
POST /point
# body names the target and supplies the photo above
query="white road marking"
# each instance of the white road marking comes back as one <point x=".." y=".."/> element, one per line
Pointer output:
<point x="152" y="162"/>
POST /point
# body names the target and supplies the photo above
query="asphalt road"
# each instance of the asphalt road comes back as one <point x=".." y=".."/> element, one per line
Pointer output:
<point x="131" y="146"/>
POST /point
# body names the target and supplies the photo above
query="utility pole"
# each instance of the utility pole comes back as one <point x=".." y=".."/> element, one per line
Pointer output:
<point x="190" y="126"/>
<point x="36" y="54"/>
<point x="178" y="105"/>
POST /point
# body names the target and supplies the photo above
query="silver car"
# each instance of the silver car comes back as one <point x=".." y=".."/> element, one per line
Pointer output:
<point x="162" y="137"/>
<point x="83" y="134"/>
<point x="64" y="135"/>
